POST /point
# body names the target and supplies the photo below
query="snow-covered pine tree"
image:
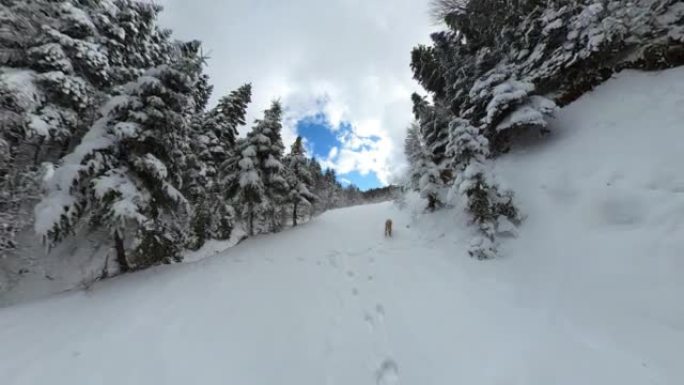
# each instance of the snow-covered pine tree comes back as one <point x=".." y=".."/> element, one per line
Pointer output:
<point x="230" y="113"/>
<point x="199" y="175"/>
<point x="423" y="174"/>
<point x="434" y="124"/>
<point x="413" y="150"/>
<point x="429" y="183"/>
<point x="352" y="195"/>
<point x="332" y="190"/>
<point x="318" y="185"/>
<point x="430" y="162"/>
<point x="246" y="181"/>
<point x="126" y="173"/>
<point x="59" y="60"/>
<point x="255" y="178"/>
<point x="223" y="121"/>
<point x="505" y="105"/>
<point x="265" y="137"/>
<point x="134" y="41"/>
<point x="214" y="146"/>
<point x="299" y="180"/>
<point x="469" y="148"/>
<point x="46" y="87"/>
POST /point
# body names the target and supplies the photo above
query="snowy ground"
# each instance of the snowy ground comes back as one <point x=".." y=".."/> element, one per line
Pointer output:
<point x="590" y="293"/>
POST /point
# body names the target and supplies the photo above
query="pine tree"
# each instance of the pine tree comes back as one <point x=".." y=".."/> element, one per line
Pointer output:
<point x="331" y="189"/>
<point x="299" y="179"/>
<point x="233" y="108"/>
<point x="433" y="127"/>
<point x="484" y="201"/>
<point x="134" y="41"/>
<point x="255" y="177"/>
<point x="318" y="185"/>
<point x="48" y="74"/>
<point x="223" y="121"/>
<point x="429" y="182"/>
<point x="213" y="143"/>
<point x="265" y="137"/>
<point x="250" y="192"/>
<point x="126" y="174"/>
<point x="414" y="151"/>
<point x="59" y="60"/>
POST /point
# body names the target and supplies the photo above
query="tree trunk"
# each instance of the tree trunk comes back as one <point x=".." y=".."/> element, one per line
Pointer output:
<point x="251" y="221"/>
<point x="66" y="145"/>
<point x="36" y="154"/>
<point x="294" y="215"/>
<point x="121" y="253"/>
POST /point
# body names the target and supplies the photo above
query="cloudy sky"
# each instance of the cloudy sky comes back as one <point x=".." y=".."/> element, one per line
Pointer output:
<point x="340" y="67"/>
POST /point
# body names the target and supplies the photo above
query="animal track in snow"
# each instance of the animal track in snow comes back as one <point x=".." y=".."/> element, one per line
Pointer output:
<point x="332" y="259"/>
<point x="380" y="310"/>
<point x="387" y="373"/>
<point x="369" y="321"/>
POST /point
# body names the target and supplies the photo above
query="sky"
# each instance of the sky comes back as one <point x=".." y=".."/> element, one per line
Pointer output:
<point x="340" y="68"/>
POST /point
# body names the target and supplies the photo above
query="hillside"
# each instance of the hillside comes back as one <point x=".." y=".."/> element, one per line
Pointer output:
<point x="589" y="292"/>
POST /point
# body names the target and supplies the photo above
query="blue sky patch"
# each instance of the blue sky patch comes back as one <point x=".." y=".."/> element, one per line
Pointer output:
<point x="321" y="139"/>
<point x="319" y="135"/>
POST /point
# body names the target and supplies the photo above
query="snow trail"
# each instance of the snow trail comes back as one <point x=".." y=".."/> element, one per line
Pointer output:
<point x="331" y="302"/>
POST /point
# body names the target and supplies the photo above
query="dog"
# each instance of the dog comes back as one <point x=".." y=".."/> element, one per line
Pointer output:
<point x="388" y="228"/>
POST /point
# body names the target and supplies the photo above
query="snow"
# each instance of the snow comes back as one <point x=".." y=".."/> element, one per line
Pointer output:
<point x="125" y="130"/>
<point x="175" y="195"/>
<point x="556" y="24"/>
<point x="50" y="210"/>
<point x="505" y="94"/>
<point x="77" y="16"/>
<point x="147" y="81"/>
<point x="606" y="194"/>
<point x="467" y="179"/>
<point x="250" y="151"/>
<point x="482" y="86"/>
<point x="464" y="138"/>
<point x="128" y="198"/>
<point x="533" y="113"/>
<point x="589" y="293"/>
<point x="21" y="83"/>
<point x="250" y="178"/>
<point x="38" y="126"/>
<point x="153" y="165"/>
<point x="52" y="55"/>
<point x="674" y="13"/>
<point x="246" y="164"/>
<point x="214" y="248"/>
<point x="58" y="185"/>
<point x="272" y="163"/>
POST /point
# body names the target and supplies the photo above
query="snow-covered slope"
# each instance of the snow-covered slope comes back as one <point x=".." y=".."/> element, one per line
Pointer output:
<point x="590" y="292"/>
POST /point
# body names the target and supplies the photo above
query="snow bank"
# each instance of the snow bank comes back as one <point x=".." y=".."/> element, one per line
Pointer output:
<point x="602" y="251"/>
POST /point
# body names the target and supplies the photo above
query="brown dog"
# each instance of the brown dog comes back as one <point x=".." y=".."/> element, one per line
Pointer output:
<point x="388" y="228"/>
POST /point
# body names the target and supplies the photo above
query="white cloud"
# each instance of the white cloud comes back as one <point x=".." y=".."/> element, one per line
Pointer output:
<point x="333" y="153"/>
<point x="348" y="59"/>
